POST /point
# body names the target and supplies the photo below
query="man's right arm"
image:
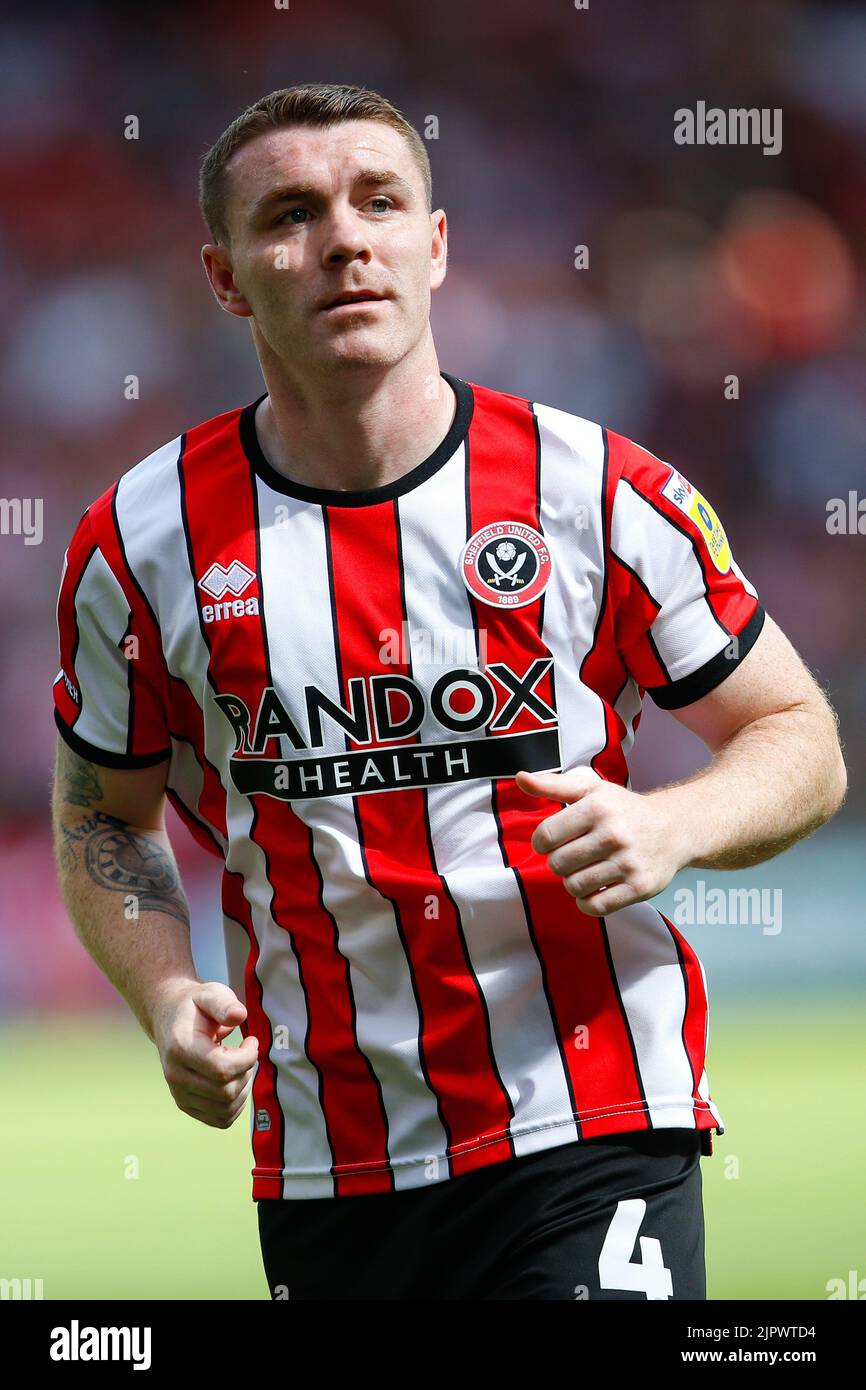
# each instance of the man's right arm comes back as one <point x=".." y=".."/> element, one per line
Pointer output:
<point x="122" y="888"/>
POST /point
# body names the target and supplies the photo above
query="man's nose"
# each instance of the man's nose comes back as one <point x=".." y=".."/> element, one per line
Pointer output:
<point x="345" y="238"/>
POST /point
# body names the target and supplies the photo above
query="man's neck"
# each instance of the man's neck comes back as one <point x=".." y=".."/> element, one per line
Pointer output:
<point x="358" y="439"/>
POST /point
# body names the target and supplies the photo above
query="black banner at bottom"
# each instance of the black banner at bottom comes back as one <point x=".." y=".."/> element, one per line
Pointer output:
<point x="398" y="767"/>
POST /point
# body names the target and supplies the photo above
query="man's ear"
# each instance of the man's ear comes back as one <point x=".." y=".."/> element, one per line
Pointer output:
<point x="439" y="248"/>
<point x="217" y="263"/>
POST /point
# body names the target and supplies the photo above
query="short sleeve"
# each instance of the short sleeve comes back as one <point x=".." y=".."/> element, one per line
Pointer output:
<point x="685" y="615"/>
<point x="109" y="694"/>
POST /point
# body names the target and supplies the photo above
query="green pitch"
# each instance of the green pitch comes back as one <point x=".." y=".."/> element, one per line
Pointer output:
<point x="108" y="1191"/>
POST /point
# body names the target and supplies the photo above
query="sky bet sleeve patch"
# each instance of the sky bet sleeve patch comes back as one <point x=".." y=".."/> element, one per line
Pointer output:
<point x="679" y="490"/>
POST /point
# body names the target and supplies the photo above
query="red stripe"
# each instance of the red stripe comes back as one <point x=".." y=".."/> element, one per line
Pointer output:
<point x="695" y="1022"/>
<point x="503" y="486"/>
<point x="267" y="1144"/>
<point x="455" y="1043"/>
<point x="603" y="669"/>
<point x="212" y="466"/>
<point x="634" y="613"/>
<point x="186" y="722"/>
<point x="78" y="556"/>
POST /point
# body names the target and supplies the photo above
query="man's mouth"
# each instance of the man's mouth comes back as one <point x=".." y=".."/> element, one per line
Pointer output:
<point x="353" y="297"/>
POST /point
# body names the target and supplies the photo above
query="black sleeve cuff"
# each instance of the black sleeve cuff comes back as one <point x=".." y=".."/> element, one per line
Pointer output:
<point x="103" y="758"/>
<point x="717" y="669"/>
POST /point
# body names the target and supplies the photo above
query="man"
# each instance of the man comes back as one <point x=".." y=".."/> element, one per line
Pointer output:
<point x="381" y="637"/>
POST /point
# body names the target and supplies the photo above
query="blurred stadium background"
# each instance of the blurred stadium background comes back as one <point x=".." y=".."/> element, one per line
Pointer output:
<point x="555" y="129"/>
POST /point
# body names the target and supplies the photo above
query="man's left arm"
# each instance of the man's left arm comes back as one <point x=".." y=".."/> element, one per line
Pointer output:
<point x="776" y="775"/>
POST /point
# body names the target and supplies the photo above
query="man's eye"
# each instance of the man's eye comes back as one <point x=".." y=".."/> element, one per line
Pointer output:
<point x="291" y="212"/>
<point x="382" y="199"/>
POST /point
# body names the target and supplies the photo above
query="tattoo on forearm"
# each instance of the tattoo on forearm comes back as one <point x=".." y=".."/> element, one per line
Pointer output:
<point x="121" y="859"/>
<point x="80" y="784"/>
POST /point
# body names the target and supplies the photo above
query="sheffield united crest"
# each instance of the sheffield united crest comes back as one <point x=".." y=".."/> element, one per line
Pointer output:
<point x="506" y="564"/>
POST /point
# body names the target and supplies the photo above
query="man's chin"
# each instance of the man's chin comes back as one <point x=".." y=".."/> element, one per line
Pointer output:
<point x="358" y="354"/>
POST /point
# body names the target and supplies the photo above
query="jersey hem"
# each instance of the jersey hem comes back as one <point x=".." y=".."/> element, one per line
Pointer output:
<point x="100" y="755"/>
<point x="688" y="689"/>
<point x="266" y="1179"/>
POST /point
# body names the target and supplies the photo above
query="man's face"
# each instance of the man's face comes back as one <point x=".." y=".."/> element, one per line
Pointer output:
<point x="314" y="213"/>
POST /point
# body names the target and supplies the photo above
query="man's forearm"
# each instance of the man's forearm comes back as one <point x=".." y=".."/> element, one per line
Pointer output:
<point x="771" y="784"/>
<point x="123" y="892"/>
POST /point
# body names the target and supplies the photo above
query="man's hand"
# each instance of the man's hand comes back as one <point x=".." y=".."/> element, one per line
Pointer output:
<point x="208" y="1081"/>
<point x="610" y="846"/>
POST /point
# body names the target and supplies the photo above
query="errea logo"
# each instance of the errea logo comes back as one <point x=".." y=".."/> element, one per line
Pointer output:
<point x="219" y="581"/>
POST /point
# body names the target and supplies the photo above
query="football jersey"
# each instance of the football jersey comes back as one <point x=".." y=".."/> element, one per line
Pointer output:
<point x="345" y="684"/>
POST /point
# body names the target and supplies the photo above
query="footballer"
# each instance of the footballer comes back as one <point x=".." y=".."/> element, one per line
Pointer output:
<point x="382" y="637"/>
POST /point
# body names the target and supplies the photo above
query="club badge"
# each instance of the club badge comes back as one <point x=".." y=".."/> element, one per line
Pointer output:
<point x="506" y="564"/>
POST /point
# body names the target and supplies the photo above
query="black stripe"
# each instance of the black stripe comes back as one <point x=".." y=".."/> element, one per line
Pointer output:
<point x="100" y="756"/>
<point x="699" y="683"/>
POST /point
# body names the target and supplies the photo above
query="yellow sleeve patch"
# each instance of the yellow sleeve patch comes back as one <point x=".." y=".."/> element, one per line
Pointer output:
<point x="679" y="490"/>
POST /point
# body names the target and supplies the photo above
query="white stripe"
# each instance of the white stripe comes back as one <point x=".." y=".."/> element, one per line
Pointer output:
<point x="572" y="464"/>
<point x="628" y="706"/>
<point x="653" y="993"/>
<point x="101" y="669"/>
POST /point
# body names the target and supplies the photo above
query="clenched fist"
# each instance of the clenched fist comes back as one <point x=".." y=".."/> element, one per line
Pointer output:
<point x="208" y="1081"/>
<point x="610" y="846"/>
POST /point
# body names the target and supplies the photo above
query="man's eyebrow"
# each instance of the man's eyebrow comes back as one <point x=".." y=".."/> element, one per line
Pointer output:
<point x="301" y="189"/>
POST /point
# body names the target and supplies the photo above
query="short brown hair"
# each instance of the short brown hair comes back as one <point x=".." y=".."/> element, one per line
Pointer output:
<point x="314" y="104"/>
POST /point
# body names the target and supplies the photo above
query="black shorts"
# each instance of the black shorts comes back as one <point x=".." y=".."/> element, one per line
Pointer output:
<point x="620" y="1217"/>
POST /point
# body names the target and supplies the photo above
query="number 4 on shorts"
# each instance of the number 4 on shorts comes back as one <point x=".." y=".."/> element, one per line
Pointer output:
<point x="616" y="1270"/>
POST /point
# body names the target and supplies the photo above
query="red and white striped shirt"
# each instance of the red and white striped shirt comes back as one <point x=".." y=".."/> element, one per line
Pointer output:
<point x="345" y="684"/>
